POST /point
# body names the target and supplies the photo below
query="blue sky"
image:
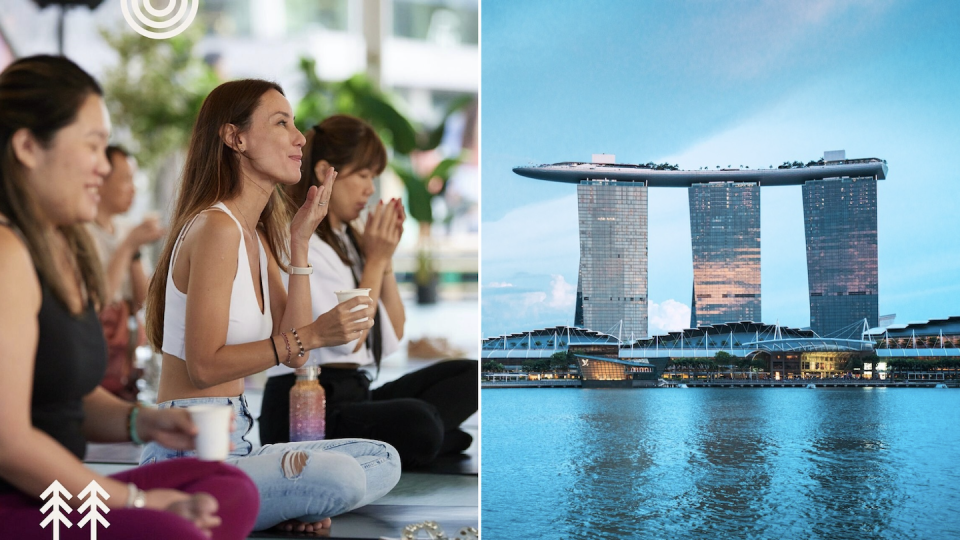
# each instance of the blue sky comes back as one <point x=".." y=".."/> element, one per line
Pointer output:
<point x="704" y="83"/>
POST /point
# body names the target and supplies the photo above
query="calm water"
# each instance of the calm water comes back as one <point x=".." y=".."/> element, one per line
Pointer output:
<point x="721" y="463"/>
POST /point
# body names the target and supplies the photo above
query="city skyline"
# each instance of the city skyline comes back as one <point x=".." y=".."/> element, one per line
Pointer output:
<point x="683" y="87"/>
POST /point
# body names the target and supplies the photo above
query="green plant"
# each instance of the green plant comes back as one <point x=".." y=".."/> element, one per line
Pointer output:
<point x="155" y="91"/>
<point x="426" y="271"/>
<point x="419" y="193"/>
<point x="357" y="96"/>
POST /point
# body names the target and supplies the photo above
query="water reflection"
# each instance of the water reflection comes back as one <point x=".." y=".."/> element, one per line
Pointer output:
<point x="734" y="475"/>
<point x="721" y="463"/>
<point x="612" y="455"/>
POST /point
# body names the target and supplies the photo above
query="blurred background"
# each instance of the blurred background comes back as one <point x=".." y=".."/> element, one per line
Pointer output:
<point x="409" y="67"/>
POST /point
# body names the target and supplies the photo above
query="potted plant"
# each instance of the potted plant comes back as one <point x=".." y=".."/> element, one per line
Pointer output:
<point x="426" y="278"/>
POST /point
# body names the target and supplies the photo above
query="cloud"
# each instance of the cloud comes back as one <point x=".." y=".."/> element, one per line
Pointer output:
<point x="750" y="39"/>
<point x="534" y="301"/>
<point x="563" y="295"/>
<point x="499" y="285"/>
<point x="668" y="316"/>
<point x="539" y="238"/>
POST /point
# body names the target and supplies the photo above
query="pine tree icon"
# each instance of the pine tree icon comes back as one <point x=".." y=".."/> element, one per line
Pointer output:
<point x="54" y="506"/>
<point x="92" y="506"/>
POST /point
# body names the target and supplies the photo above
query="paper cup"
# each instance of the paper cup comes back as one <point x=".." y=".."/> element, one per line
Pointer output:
<point x="213" y="430"/>
<point x="343" y="296"/>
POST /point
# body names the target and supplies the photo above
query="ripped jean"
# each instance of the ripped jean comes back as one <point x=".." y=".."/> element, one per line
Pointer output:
<point x="308" y="481"/>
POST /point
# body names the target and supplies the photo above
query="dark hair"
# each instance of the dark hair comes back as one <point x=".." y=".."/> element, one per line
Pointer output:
<point x="348" y="144"/>
<point x="43" y="94"/>
<point x="115" y="149"/>
<point x="212" y="174"/>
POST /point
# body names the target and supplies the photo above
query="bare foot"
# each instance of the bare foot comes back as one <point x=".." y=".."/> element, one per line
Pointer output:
<point x="318" y="528"/>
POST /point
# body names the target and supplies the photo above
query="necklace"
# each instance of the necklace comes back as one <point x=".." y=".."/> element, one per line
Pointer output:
<point x="246" y="221"/>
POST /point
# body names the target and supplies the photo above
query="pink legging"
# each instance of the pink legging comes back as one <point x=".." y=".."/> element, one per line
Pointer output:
<point x="236" y="494"/>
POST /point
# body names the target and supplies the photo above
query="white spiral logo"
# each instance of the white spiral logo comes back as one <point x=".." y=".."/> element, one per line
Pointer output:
<point x="161" y="17"/>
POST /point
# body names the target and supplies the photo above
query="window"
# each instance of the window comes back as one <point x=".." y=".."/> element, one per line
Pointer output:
<point x="445" y="22"/>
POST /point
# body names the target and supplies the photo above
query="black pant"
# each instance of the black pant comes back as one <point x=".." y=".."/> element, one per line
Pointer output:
<point x="419" y="413"/>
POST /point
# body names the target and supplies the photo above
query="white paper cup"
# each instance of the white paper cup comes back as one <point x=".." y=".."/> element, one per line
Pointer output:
<point x="343" y="296"/>
<point x="213" y="430"/>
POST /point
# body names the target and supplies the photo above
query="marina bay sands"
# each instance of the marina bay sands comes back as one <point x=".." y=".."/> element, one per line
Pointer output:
<point x="840" y="226"/>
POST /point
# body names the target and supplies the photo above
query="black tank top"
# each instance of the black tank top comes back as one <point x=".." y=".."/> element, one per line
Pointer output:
<point x="71" y="361"/>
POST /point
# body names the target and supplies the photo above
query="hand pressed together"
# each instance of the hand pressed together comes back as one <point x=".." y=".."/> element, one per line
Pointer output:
<point x="382" y="232"/>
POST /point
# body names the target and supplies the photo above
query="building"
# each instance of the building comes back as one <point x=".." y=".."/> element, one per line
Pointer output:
<point x="725" y="235"/>
<point x="612" y="282"/>
<point x="920" y="351"/>
<point x="785" y="353"/>
<point x="840" y="225"/>
<point x="840" y="213"/>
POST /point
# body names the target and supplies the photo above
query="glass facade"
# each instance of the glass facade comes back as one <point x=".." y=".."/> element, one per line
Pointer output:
<point x="613" y="257"/>
<point x="725" y="235"/>
<point x="840" y="223"/>
<point x="598" y="370"/>
<point x="226" y="17"/>
<point x="445" y="22"/>
<point x="311" y="15"/>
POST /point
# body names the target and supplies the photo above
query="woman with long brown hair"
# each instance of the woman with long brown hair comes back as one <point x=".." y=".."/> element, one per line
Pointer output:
<point x="53" y="135"/>
<point x="218" y="310"/>
<point x="419" y="413"/>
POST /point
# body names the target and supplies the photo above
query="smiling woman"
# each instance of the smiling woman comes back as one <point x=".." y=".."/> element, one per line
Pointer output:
<point x="53" y="136"/>
<point x="230" y="220"/>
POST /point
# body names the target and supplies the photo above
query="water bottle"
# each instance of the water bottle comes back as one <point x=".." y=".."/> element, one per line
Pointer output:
<point x="308" y="406"/>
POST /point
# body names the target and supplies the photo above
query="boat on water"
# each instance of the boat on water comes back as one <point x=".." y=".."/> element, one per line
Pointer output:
<point x="811" y="385"/>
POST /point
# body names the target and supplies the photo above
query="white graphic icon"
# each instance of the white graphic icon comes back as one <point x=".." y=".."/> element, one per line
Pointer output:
<point x="92" y="506"/>
<point x="55" y="505"/>
<point x="584" y="362"/>
<point x="161" y="18"/>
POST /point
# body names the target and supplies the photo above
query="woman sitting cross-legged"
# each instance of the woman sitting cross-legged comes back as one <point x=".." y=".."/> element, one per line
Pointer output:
<point x="419" y="413"/>
<point x="53" y="136"/>
<point x="218" y="310"/>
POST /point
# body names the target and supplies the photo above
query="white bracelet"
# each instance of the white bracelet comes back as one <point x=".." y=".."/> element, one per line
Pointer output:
<point x="301" y="271"/>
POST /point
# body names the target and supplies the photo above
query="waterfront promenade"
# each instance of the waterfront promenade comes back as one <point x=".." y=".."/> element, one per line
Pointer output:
<point x="734" y="383"/>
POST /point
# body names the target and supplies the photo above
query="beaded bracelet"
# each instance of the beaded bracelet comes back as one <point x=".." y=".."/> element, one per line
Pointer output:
<point x="132" y="424"/>
<point x="287" y="343"/>
<point x="299" y="343"/>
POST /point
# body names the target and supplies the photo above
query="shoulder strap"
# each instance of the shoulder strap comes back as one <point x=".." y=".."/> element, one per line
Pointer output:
<point x="186" y="228"/>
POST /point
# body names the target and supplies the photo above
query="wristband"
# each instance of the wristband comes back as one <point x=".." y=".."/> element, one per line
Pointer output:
<point x="300" y="270"/>
<point x="132" y="424"/>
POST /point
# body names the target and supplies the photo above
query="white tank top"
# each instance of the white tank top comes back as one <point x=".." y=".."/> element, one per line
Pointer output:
<point x="247" y="323"/>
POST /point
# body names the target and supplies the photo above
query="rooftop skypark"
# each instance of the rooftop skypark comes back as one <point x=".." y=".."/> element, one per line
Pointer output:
<point x="651" y="175"/>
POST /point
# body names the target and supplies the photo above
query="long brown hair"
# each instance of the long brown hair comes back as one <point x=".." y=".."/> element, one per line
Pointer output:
<point x="44" y="94"/>
<point x="212" y="174"/>
<point x="348" y="144"/>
